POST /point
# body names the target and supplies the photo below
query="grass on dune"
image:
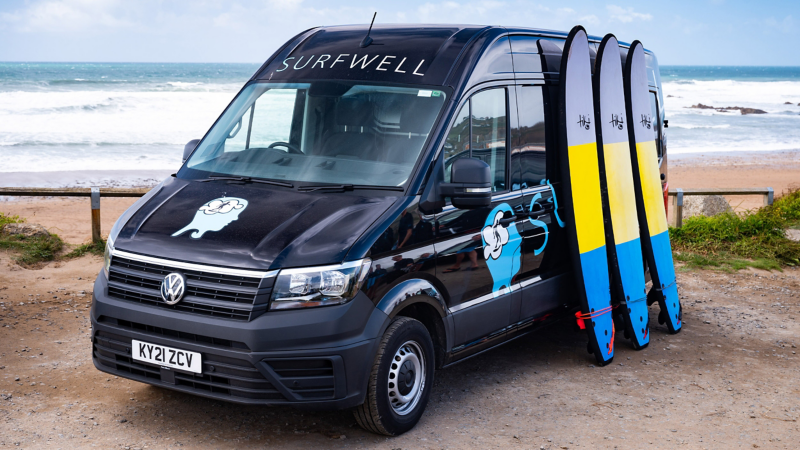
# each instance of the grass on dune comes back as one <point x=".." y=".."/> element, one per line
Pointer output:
<point x="93" y="248"/>
<point x="33" y="251"/>
<point x="735" y="241"/>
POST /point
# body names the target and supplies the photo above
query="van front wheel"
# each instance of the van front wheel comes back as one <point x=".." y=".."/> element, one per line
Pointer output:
<point x="400" y="381"/>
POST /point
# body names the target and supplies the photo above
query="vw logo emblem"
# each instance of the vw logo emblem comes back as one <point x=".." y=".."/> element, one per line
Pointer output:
<point x="173" y="287"/>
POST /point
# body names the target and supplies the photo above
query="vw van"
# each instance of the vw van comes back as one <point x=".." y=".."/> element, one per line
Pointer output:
<point x="363" y="213"/>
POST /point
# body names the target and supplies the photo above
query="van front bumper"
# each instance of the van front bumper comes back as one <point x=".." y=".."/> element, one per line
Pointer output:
<point x="316" y="358"/>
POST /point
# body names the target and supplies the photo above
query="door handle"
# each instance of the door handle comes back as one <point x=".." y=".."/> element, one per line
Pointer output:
<point x="541" y="210"/>
<point x="507" y="221"/>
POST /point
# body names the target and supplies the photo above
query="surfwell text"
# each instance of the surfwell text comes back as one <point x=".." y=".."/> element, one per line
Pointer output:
<point x="362" y="62"/>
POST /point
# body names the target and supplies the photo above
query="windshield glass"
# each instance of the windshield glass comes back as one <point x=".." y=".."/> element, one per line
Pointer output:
<point x="319" y="132"/>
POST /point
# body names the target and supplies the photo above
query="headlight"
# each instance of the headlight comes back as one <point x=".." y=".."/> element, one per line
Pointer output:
<point x="319" y="286"/>
<point x="107" y="256"/>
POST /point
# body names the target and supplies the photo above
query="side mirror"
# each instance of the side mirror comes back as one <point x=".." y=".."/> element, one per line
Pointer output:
<point x="189" y="148"/>
<point x="471" y="185"/>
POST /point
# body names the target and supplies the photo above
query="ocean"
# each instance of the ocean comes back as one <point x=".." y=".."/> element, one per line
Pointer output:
<point x="57" y="117"/>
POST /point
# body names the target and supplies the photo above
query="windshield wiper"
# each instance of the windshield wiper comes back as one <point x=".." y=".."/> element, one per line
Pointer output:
<point x="349" y="187"/>
<point x="248" y="180"/>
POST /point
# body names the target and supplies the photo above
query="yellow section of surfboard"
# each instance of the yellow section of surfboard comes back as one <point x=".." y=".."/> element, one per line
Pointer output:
<point x="621" y="196"/>
<point x="651" y="187"/>
<point x="586" y="200"/>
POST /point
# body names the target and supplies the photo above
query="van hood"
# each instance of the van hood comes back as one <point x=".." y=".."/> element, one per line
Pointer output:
<point x="249" y="226"/>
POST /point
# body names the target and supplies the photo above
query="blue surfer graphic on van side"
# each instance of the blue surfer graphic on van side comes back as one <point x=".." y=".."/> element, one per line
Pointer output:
<point x="501" y="247"/>
<point x="214" y="216"/>
<point x="541" y="224"/>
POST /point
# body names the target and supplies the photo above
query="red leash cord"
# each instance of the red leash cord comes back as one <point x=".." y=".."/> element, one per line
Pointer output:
<point x="580" y="317"/>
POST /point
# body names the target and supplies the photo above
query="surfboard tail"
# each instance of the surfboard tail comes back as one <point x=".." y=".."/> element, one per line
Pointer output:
<point x="668" y="301"/>
<point x="598" y="318"/>
<point x="633" y="305"/>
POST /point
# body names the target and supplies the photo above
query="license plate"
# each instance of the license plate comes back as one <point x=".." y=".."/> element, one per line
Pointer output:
<point x="167" y="356"/>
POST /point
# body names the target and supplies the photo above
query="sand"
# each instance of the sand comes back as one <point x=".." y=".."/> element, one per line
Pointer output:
<point x="778" y="170"/>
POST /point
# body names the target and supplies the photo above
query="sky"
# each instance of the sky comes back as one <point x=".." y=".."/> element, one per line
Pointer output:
<point x="681" y="32"/>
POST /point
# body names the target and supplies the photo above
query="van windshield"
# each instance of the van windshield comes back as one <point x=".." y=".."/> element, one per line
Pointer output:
<point x="319" y="132"/>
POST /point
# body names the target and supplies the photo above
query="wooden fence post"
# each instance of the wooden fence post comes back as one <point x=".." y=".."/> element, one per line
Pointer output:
<point x="96" y="235"/>
<point x="769" y="196"/>
<point x="679" y="208"/>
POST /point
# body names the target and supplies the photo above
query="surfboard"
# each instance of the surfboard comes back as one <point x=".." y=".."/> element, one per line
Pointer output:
<point x="647" y="186"/>
<point x="625" y="263"/>
<point x="584" y="206"/>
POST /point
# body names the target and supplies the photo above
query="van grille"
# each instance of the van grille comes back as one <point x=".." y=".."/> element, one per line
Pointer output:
<point x="207" y="293"/>
<point x="222" y="376"/>
<point x="190" y="338"/>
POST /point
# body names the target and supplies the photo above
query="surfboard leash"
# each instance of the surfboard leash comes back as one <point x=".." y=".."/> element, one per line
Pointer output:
<point x="581" y="317"/>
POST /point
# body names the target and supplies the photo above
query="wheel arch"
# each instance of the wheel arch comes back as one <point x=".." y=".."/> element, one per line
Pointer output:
<point x="421" y="300"/>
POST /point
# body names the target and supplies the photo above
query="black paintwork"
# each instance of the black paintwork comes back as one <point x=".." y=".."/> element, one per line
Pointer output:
<point x="412" y="237"/>
<point x="280" y="227"/>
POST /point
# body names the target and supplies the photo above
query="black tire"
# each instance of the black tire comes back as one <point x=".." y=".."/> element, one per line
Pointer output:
<point x="378" y="413"/>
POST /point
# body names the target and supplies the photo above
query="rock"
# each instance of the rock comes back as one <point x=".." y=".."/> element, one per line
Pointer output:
<point x="701" y="106"/>
<point x="705" y="205"/>
<point x="742" y="111"/>
<point x="787" y="103"/>
<point x="793" y="235"/>
<point x="28" y="230"/>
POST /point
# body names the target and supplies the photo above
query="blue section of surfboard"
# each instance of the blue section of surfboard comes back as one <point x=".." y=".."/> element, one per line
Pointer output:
<point x="625" y="261"/>
<point x="649" y="194"/>
<point x="581" y="186"/>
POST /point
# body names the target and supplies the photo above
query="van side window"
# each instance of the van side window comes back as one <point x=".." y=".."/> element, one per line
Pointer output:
<point x="656" y="122"/>
<point x="489" y="126"/>
<point x="457" y="143"/>
<point x="480" y="132"/>
<point x="531" y="142"/>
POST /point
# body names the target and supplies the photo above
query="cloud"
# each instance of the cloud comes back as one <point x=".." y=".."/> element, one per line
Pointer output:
<point x="591" y="19"/>
<point x="67" y="15"/>
<point x="785" y="26"/>
<point x="626" y="15"/>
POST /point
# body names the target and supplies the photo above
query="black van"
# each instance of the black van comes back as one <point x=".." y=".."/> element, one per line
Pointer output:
<point x="366" y="210"/>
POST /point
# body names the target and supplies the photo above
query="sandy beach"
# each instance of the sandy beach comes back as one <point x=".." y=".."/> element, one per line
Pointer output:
<point x="778" y="170"/>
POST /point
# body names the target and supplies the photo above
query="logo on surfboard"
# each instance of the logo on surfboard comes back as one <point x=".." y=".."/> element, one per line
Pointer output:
<point x="214" y="216"/>
<point x="616" y="121"/>
<point x="646" y="121"/>
<point x="584" y="121"/>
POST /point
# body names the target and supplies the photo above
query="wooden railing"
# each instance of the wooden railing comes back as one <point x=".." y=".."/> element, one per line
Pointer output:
<point x="679" y="193"/>
<point x="93" y="193"/>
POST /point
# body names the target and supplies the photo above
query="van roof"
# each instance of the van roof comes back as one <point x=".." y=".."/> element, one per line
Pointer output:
<point x="401" y="53"/>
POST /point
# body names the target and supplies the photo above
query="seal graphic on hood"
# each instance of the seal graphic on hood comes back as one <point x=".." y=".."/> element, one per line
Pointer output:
<point x="214" y="216"/>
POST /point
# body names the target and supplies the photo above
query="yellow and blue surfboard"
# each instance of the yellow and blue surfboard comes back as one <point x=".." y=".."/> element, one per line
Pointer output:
<point x="649" y="196"/>
<point x="625" y="262"/>
<point x="581" y="184"/>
